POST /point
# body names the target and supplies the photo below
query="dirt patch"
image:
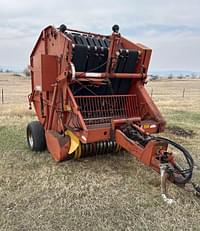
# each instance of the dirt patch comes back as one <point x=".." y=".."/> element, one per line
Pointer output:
<point x="178" y="131"/>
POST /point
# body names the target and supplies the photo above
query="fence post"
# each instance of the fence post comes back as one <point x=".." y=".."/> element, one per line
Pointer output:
<point x="183" y="92"/>
<point x="2" y="96"/>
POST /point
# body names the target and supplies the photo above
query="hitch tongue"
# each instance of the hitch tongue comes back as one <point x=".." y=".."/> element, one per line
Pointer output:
<point x="155" y="152"/>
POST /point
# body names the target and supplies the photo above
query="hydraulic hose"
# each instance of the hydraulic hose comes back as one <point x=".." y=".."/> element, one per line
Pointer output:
<point x="186" y="173"/>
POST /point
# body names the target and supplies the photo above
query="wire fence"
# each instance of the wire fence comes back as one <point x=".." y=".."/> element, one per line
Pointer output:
<point x="182" y="93"/>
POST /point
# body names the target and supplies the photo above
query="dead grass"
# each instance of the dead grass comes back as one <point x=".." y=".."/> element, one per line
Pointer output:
<point x="111" y="192"/>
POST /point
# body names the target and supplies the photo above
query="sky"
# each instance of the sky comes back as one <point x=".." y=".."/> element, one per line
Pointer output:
<point x="171" y="28"/>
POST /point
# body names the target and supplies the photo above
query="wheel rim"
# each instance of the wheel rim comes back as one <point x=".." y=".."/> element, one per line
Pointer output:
<point x="30" y="139"/>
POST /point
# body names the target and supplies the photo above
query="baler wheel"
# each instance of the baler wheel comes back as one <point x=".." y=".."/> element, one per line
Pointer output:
<point x="36" y="136"/>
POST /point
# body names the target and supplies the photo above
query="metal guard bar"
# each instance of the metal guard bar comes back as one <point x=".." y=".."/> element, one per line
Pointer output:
<point x="102" y="109"/>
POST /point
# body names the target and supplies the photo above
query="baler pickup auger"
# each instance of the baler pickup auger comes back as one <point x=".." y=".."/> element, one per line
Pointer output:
<point x="89" y="96"/>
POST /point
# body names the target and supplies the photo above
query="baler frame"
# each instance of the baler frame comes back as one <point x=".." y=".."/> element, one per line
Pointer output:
<point x="55" y="65"/>
<point x="88" y="89"/>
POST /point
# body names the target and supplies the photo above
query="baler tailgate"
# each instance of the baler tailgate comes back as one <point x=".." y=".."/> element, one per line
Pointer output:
<point x="102" y="109"/>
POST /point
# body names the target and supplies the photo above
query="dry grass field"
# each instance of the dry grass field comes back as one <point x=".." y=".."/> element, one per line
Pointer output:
<point x="110" y="192"/>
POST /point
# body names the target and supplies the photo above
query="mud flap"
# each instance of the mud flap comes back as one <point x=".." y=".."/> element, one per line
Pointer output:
<point x="58" y="145"/>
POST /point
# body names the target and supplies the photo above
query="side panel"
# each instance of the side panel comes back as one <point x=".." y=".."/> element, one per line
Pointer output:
<point x="36" y="71"/>
<point x="49" y="59"/>
<point x="49" y="65"/>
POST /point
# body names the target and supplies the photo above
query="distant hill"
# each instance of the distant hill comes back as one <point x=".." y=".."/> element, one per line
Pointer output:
<point x="11" y="69"/>
<point x="175" y="73"/>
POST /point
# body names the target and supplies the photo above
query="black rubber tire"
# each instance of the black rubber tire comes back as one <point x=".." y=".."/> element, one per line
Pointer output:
<point x="36" y="136"/>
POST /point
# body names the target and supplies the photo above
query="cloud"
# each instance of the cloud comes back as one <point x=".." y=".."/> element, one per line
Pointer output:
<point x="171" y="28"/>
